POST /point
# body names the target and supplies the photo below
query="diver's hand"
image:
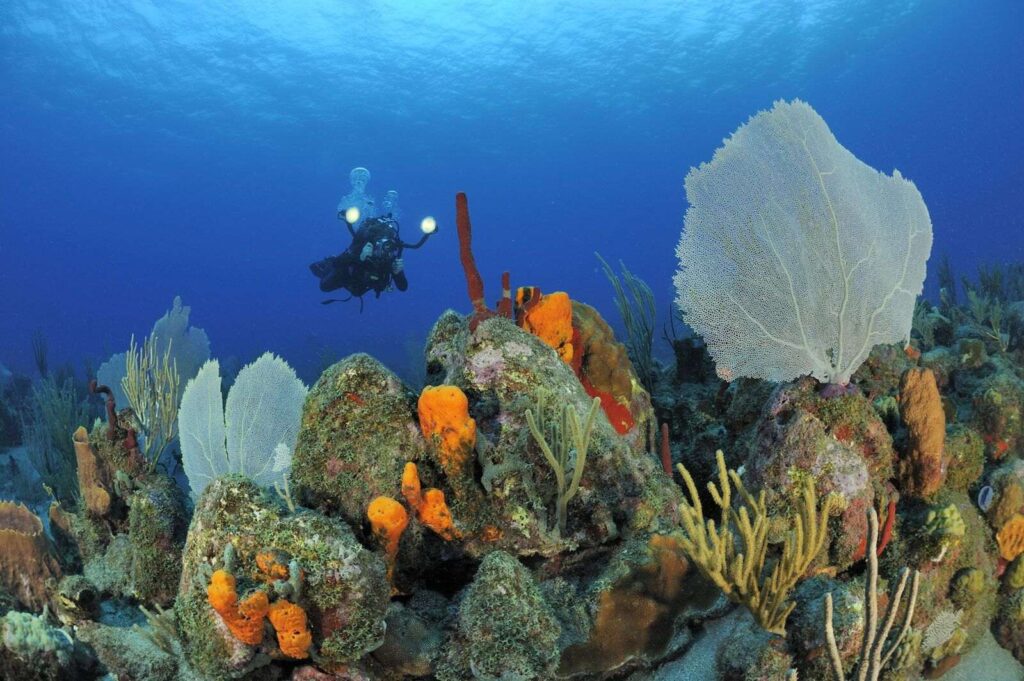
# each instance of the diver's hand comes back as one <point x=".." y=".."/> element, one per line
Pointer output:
<point x="366" y="252"/>
<point x="397" y="266"/>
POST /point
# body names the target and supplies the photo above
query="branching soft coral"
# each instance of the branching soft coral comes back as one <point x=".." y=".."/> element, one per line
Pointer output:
<point x="733" y="553"/>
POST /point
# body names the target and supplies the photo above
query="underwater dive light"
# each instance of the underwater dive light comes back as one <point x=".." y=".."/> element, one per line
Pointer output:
<point x="352" y="215"/>
<point x="428" y="225"/>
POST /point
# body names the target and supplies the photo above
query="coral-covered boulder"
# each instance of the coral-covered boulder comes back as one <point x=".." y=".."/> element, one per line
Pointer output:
<point x="880" y="373"/>
<point x="505" y="371"/>
<point x="253" y="546"/>
<point x="839" y="442"/>
<point x="358" y="431"/>
<point x="505" y="628"/>
<point x="1008" y="625"/>
<point x="999" y="414"/>
<point x="156" y="532"/>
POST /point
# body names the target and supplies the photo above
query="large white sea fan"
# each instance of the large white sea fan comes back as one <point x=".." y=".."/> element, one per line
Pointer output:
<point x="797" y="258"/>
<point x="255" y="435"/>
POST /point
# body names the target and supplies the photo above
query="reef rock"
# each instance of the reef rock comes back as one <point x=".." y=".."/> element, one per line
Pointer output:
<point x="505" y="629"/>
<point x="505" y="371"/>
<point x="302" y="558"/>
<point x="358" y="431"/>
<point x="840" y="442"/>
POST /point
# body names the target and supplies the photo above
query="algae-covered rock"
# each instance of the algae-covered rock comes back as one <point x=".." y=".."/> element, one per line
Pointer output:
<point x="805" y="633"/>
<point x="752" y="654"/>
<point x="839" y="443"/>
<point x="358" y="430"/>
<point x="636" y="608"/>
<point x="128" y="654"/>
<point x="32" y="650"/>
<point x="505" y="628"/>
<point x="111" y="571"/>
<point x="414" y="634"/>
<point x="965" y="450"/>
<point x="343" y="588"/>
<point x="156" y="533"/>
<point x="505" y="371"/>
<point x="1008" y="626"/>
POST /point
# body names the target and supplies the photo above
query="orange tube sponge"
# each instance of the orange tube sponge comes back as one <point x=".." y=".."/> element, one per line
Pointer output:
<point x="1011" y="538"/>
<point x="434" y="514"/>
<point x="550" y="319"/>
<point x="293" y="635"/>
<point x="444" y="414"/>
<point x="388" y="520"/>
<point x="430" y="506"/>
<point x="921" y="471"/>
<point x="411" y="486"/>
<point x="244" y="619"/>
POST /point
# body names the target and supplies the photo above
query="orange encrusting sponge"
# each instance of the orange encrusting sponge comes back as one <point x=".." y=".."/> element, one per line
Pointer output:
<point x="444" y="413"/>
<point x="1011" y="538"/>
<point x="244" y="619"/>
<point x="271" y="566"/>
<point x="293" y="635"/>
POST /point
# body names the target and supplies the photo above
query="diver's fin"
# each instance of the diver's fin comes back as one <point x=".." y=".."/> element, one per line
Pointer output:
<point x="343" y="300"/>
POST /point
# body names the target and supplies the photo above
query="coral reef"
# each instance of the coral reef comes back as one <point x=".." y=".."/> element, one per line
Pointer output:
<point x="520" y="517"/>
<point x="344" y="589"/>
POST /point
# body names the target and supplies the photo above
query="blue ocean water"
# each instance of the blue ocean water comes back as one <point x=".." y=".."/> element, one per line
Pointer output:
<point x="154" y="149"/>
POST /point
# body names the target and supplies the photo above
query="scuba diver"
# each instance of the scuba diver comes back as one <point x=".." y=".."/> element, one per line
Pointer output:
<point x="373" y="261"/>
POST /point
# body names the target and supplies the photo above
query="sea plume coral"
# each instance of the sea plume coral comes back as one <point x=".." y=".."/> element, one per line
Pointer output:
<point x="797" y="258"/>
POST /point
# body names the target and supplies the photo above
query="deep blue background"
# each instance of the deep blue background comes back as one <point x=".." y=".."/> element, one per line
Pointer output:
<point x="154" y="149"/>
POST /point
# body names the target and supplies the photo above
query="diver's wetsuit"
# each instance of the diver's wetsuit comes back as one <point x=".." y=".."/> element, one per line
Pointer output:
<point x="359" y="276"/>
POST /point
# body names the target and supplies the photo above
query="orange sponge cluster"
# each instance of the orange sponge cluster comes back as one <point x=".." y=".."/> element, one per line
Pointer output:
<point x="244" y="619"/>
<point x="430" y="506"/>
<point x="444" y="416"/>
<point x="293" y="635"/>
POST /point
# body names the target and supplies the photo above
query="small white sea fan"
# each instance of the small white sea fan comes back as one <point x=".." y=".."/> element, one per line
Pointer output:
<point x="255" y="435"/>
